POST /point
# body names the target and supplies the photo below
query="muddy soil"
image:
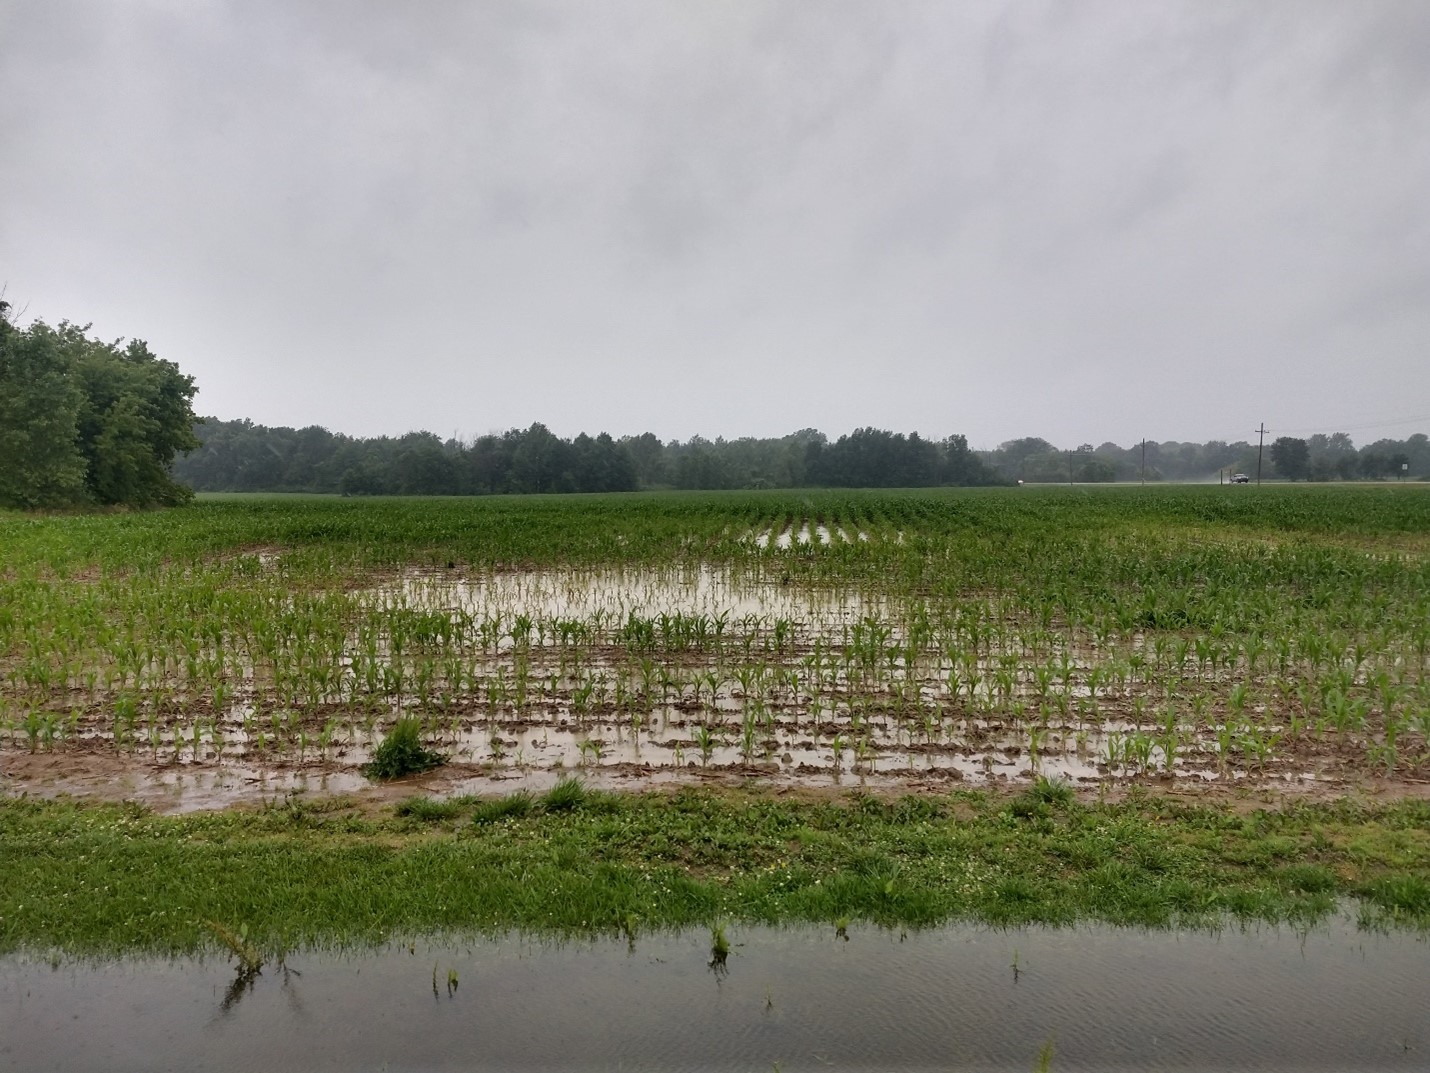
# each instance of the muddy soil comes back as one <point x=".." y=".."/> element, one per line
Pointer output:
<point x="170" y="786"/>
<point x="638" y="679"/>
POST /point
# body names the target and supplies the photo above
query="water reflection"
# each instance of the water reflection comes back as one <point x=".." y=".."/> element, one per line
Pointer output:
<point x="952" y="998"/>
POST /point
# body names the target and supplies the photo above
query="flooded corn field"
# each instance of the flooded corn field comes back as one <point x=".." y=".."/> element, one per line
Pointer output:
<point x="645" y="676"/>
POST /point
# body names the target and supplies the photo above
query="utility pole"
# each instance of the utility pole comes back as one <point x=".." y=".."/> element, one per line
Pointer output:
<point x="1070" y="480"/>
<point x="1262" y="432"/>
<point x="1144" y="461"/>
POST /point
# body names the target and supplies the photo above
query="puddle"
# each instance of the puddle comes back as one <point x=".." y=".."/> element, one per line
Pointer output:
<point x="962" y="998"/>
<point x="806" y="534"/>
<point x="191" y="788"/>
<point x="610" y="596"/>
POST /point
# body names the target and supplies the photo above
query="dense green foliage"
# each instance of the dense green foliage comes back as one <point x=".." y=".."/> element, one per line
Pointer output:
<point x="1317" y="458"/>
<point x="1006" y="536"/>
<point x="87" y="422"/>
<point x="1291" y="457"/>
<point x="106" y="879"/>
<point x="238" y="456"/>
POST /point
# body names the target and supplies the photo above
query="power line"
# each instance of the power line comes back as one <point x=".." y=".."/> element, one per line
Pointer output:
<point x="1359" y="428"/>
<point x="1327" y="429"/>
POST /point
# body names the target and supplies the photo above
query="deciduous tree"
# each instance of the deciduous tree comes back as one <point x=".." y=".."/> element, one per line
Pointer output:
<point x="40" y="460"/>
<point x="83" y="421"/>
<point x="1291" y="457"/>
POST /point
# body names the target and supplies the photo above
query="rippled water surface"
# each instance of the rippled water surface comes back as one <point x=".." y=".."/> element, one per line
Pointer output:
<point x="953" y="998"/>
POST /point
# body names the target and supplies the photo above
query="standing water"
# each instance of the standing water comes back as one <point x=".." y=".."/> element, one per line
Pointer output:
<point x="960" y="997"/>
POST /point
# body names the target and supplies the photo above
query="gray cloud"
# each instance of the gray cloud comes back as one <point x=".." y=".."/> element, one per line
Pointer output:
<point x="1087" y="221"/>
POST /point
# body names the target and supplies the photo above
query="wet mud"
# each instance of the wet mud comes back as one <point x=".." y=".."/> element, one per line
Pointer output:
<point x="650" y="678"/>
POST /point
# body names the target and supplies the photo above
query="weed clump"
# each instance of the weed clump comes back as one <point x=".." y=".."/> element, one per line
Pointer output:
<point x="1027" y="806"/>
<point x="1307" y="878"/>
<point x="514" y="806"/>
<point x="1055" y="792"/>
<point x="402" y="753"/>
<point x="250" y="961"/>
<point x="430" y="810"/>
<point x="1403" y="895"/>
<point x="1039" y="800"/>
<point x="566" y="796"/>
<point x="719" y="948"/>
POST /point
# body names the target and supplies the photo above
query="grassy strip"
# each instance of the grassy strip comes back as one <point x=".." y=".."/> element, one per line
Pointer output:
<point x="98" y="879"/>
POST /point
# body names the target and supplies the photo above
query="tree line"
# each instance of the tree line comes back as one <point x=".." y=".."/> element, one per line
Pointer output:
<point x="88" y="422"/>
<point x="240" y="456"/>
<point x="1322" y="457"/>
<point x="85" y="422"/>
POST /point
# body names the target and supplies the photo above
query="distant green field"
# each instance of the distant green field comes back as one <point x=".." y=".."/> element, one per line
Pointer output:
<point x="640" y="527"/>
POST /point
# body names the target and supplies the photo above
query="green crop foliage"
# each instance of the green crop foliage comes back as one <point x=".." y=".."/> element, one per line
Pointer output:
<point x="1114" y="634"/>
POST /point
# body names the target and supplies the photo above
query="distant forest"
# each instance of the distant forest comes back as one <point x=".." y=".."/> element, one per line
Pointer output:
<point x="1321" y="457"/>
<point x="239" y="456"/>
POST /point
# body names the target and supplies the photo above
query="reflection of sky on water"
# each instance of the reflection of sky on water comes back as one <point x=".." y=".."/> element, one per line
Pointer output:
<point x="1265" y="999"/>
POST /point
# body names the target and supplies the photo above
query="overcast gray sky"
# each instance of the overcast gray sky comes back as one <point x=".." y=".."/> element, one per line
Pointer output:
<point x="1079" y="220"/>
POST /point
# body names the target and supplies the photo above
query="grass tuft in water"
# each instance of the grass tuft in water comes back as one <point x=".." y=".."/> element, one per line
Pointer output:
<point x="250" y="961"/>
<point x="1400" y="896"/>
<point x="719" y="946"/>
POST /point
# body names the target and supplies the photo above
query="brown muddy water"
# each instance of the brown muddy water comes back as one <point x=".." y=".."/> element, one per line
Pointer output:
<point x="961" y="998"/>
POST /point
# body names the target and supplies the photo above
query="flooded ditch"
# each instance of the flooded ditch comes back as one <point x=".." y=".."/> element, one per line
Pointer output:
<point x="959" y="997"/>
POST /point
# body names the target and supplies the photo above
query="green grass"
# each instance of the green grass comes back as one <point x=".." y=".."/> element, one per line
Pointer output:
<point x="430" y="809"/>
<point x="97" y="879"/>
<point x="496" y="809"/>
